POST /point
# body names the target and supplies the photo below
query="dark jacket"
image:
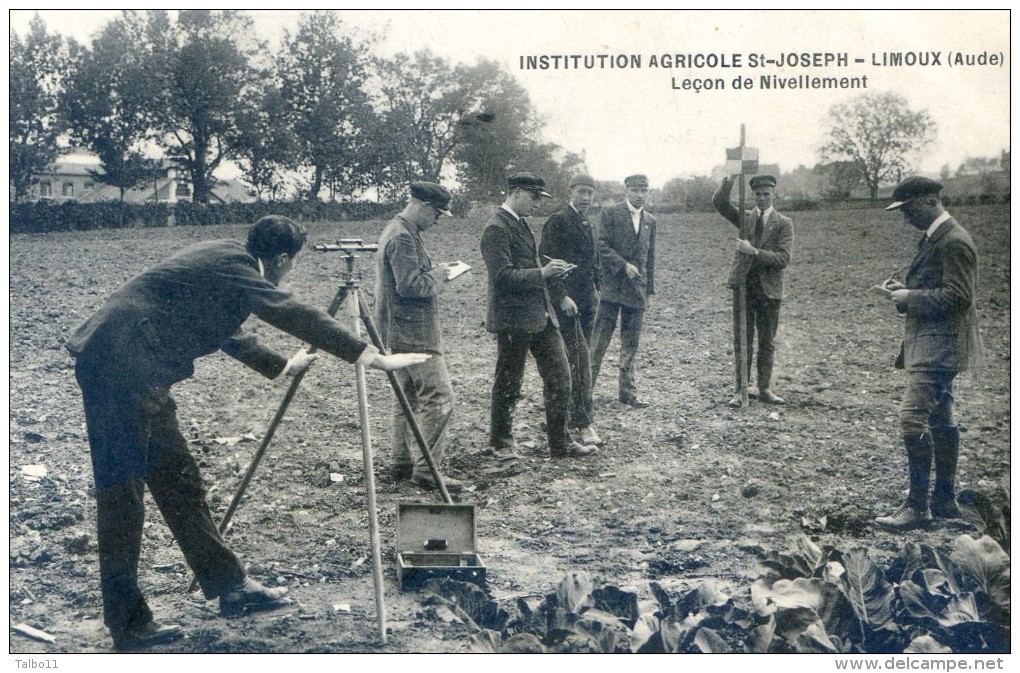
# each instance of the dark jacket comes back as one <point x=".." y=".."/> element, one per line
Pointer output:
<point x="774" y="250"/>
<point x="518" y="297"/>
<point x="406" y="288"/>
<point x="941" y="329"/>
<point x="150" y="331"/>
<point x="617" y="245"/>
<point x="568" y="235"/>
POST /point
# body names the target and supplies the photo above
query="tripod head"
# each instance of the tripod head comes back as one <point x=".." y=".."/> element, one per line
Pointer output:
<point x="348" y="247"/>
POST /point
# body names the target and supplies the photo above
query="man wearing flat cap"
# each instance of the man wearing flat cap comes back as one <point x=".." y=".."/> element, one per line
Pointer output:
<point x="408" y="286"/>
<point x="568" y="235"/>
<point x="940" y="340"/>
<point x="626" y="252"/>
<point x="522" y="316"/>
<point x="763" y="249"/>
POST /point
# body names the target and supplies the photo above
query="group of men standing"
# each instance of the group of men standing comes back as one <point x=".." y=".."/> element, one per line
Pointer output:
<point x="564" y="311"/>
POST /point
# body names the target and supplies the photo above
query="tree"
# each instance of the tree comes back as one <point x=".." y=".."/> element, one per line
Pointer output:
<point x="108" y="103"/>
<point x="36" y="67"/>
<point x="880" y="134"/>
<point x="838" y="179"/>
<point x="322" y="78"/>
<point x="423" y="106"/>
<point x="265" y="145"/>
<point x="498" y="132"/>
<point x="204" y="64"/>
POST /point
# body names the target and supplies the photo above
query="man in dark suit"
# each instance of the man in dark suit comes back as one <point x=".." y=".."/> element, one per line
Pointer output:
<point x="626" y="253"/>
<point x="763" y="249"/>
<point x="568" y="235"/>
<point x="144" y="339"/>
<point x="407" y="289"/>
<point x="940" y="340"/>
<point x="522" y="316"/>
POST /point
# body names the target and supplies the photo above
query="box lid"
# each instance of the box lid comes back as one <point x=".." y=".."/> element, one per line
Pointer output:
<point x="435" y="527"/>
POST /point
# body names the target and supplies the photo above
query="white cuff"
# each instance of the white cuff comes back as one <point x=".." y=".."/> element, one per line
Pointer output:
<point x="367" y="355"/>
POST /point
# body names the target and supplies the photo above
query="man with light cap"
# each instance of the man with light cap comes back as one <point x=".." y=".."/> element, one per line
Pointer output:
<point x="522" y="316"/>
<point x="626" y="253"/>
<point x="940" y="340"/>
<point x="763" y="249"/>
<point x="408" y="286"/>
<point x="568" y="235"/>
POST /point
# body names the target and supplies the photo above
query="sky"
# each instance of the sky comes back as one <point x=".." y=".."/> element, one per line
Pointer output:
<point x="669" y="121"/>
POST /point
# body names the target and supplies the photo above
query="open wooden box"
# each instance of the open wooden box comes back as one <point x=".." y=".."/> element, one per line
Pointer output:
<point x="437" y="540"/>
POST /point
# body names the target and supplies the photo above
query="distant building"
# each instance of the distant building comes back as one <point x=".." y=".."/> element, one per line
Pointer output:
<point x="71" y="178"/>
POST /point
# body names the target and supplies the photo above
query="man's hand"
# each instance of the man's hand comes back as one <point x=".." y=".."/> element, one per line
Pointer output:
<point x="299" y="362"/>
<point x="388" y="363"/>
<point x="744" y="247"/>
<point x="899" y="297"/>
<point x="555" y="267"/>
<point x="632" y="271"/>
<point x="568" y="307"/>
<point x="893" y="285"/>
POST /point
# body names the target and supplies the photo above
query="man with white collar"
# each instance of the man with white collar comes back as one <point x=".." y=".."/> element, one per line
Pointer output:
<point x="940" y="340"/>
<point x="626" y="249"/>
<point x="568" y="235"/>
<point x="763" y="249"/>
<point x="522" y="316"/>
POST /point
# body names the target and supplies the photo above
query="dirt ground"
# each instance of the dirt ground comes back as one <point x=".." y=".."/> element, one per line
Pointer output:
<point x="684" y="490"/>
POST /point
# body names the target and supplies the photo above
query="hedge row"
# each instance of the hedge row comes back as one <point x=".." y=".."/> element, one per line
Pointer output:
<point x="45" y="216"/>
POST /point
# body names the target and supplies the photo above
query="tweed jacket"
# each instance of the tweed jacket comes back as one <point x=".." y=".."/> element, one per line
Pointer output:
<point x="518" y="297"/>
<point x="407" y="287"/>
<point x="618" y="245"/>
<point x="774" y="250"/>
<point x="151" y="330"/>
<point x="941" y="327"/>
<point x="568" y="235"/>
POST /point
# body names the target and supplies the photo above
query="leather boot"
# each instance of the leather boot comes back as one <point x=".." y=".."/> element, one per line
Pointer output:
<point x="914" y="513"/>
<point x="946" y="441"/>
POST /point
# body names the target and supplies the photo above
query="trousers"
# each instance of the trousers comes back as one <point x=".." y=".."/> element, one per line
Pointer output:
<point x="428" y="391"/>
<point x="630" y="336"/>
<point x="761" y="316"/>
<point x="135" y="441"/>
<point x="551" y="359"/>
<point x="577" y="334"/>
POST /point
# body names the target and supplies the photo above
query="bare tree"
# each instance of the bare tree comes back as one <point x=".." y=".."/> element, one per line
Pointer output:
<point x="880" y="134"/>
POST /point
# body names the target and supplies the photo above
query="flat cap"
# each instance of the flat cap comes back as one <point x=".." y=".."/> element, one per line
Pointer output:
<point x="762" y="181"/>
<point x="582" y="179"/>
<point x="529" y="182"/>
<point x="636" y="180"/>
<point x="433" y="194"/>
<point x="911" y="188"/>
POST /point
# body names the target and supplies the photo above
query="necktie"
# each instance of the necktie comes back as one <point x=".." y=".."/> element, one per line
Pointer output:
<point x="924" y="239"/>
<point x="759" y="229"/>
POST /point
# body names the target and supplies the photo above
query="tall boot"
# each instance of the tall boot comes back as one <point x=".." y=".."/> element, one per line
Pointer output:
<point x="914" y="513"/>
<point x="946" y="441"/>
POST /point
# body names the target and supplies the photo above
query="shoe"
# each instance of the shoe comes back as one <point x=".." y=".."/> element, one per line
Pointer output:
<point x="573" y="450"/>
<point x="589" y="437"/>
<point x="768" y="397"/>
<point x="736" y="401"/>
<point x="905" y="518"/>
<point x="945" y="509"/>
<point x="633" y="401"/>
<point x="148" y="634"/>
<point x="503" y="453"/>
<point x="250" y="594"/>
<point x="427" y="482"/>
<point x="401" y="472"/>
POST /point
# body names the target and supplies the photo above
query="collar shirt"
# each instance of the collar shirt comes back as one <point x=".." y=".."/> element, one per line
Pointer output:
<point x="635" y="217"/>
<point x="768" y="213"/>
<point x="511" y="211"/>
<point x="935" y="225"/>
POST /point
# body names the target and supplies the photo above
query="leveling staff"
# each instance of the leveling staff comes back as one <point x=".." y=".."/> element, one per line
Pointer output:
<point x="144" y="339"/>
